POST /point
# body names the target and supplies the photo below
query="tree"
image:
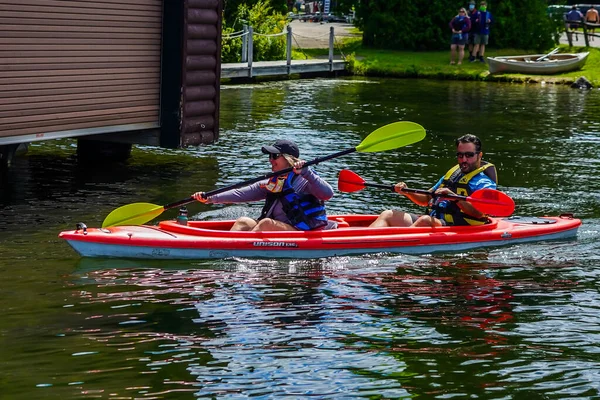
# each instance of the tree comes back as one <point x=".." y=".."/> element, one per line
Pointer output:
<point x="417" y="25"/>
<point x="266" y="24"/>
<point x="231" y="7"/>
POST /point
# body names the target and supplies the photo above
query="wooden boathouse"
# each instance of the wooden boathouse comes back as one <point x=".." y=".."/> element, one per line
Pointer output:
<point x="115" y="71"/>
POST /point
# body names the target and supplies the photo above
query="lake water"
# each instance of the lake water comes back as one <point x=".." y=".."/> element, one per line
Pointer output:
<point x="498" y="323"/>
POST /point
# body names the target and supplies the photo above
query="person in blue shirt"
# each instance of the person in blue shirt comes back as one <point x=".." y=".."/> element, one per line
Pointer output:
<point x="472" y="14"/>
<point x="574" y="18"/>
<point x="482" y="33"/>
<point x="469" y="175"/>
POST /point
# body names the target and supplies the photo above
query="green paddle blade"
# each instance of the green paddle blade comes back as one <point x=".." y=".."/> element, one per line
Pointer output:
<point x="392" y="136"/>
<point x="133" y="214"/>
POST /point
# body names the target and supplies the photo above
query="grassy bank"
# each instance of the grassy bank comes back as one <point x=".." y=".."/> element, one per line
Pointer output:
<point x="436" y="64"/>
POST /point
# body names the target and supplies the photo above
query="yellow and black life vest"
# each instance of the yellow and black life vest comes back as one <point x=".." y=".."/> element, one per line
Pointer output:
<point x="458" y="182"/>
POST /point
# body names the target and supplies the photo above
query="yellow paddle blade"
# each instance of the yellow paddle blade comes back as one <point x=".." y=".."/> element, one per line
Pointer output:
<point x="133" y="214"/>
<point x="392" y="136"/>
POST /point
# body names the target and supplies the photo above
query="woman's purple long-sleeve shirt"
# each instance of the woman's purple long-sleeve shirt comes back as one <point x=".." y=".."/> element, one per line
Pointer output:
<point x="308" y="182"/>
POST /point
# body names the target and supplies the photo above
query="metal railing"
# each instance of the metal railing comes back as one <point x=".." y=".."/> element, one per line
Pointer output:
<point x="247" y="35"/>
<point x="586" y="28"/>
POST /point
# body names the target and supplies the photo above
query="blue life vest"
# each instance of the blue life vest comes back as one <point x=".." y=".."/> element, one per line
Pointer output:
<point x="304" y="211"/>
<point x="458" y="182"/>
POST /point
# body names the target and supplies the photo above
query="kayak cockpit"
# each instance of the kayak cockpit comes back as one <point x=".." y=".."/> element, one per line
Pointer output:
<point x="348" y="225"/>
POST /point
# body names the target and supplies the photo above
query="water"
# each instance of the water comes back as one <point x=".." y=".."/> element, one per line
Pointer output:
<point x="493" y="323"/>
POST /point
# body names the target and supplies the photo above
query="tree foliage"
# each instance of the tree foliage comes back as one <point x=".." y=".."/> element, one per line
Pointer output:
<point x="265" y="22"/>
<point x="423" y="25"/>
<point x="231" y="9"/>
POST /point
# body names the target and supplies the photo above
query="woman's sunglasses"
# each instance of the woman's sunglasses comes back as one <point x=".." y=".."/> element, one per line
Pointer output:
<point x="274" y="156"/>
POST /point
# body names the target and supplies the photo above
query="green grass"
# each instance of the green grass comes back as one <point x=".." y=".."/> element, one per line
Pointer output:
<point x="436" y="64"/>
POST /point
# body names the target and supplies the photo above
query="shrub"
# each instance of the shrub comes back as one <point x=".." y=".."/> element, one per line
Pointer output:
<point x="264" y="21"/>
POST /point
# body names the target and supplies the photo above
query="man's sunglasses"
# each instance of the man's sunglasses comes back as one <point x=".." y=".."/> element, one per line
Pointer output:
<point x="468" y="154"/>
<point x="274" y="156"/>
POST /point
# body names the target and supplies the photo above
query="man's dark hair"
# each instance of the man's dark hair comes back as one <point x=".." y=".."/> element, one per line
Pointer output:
<point x="468" y="138"/>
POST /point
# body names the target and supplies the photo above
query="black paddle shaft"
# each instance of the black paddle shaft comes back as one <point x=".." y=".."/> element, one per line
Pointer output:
<point x="418" y="191"/>
<point x="259" y="178"/>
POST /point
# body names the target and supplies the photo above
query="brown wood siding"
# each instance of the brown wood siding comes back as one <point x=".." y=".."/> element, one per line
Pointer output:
<point x="78" y="65"/>
<point x="201" y="72"/>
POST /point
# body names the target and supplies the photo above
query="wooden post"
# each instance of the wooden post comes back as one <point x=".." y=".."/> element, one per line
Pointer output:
<point x="569" y="34"/>
<point x="289" y="49"/>
<point x="331" y="39"/>
<point x="585" y="34"/>
<point x="250" y="50"/>
<point x="245" y="44"/>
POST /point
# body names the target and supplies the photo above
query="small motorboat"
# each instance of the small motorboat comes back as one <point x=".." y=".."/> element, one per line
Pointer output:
<point x="537" y="64"/>
<point x="212" y="239"/>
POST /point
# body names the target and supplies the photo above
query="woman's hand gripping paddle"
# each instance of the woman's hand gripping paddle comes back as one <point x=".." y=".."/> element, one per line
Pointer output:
<point x="488" y="201"/>
<point x="388" y="137"/>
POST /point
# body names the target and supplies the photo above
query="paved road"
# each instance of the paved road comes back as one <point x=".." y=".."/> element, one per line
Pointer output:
<point x="315" y="35"/>
<point x="580" y="40"/>
<point x="312" y="35"/>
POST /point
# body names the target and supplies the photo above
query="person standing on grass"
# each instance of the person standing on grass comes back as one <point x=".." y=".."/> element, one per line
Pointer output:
<point x="574" y="18"/>
<point x="472" y="16"/>
<point x="482" y="34"/>
<point x="592" y="17"/>
<point x="460" y="26"/>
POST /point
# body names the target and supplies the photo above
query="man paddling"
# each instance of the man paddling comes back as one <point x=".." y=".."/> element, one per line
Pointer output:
<point x="294" y="201"/>
<point x="468" y="176"/>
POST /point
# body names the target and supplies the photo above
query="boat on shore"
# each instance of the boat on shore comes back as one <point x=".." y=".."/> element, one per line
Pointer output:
<point x="213" y="240"/>
<point x="537" y="64"/>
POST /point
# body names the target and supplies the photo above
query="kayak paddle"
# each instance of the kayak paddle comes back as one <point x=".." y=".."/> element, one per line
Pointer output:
<point x="387" y="137"/>
<point x="487" y="201"/>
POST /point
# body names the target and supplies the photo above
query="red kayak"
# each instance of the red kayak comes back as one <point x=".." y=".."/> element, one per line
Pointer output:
<point x="212" y="239"/>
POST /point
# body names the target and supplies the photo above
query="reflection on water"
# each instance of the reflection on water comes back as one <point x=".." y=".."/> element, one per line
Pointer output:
<point x="436" y="326"/>
<point x="498" y="323"/>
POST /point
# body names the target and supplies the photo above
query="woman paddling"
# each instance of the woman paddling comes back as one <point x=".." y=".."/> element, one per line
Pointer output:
<point x="294" y="201"/>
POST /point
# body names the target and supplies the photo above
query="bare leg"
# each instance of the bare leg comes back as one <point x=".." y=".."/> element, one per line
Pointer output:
<point x="452" y="53"/>
<point x="243" y="224"/>
<point x="461" y="53"/>
<point x="392" y="218"/>
<point x="476" y="50"/>
<point x="269" y="224"/>
<point x="426" y="220"/>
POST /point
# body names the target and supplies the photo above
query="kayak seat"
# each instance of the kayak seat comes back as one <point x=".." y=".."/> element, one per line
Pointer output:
<point x="342" y="223"/>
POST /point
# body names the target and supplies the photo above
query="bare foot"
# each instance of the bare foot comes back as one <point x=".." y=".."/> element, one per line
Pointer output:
<point x="459" y="63"/>
<point x="451" y="62"/>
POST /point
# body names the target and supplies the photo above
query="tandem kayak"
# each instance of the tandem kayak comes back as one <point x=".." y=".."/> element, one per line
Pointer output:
<point x="212" y="239"/>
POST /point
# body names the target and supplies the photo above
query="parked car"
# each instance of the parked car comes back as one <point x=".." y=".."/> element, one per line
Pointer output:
<point x="307" y="17"/>
<point x="584" y="7"/>
<point x="558" y="11"/>
<point x="334" y="18"/>
<point x="318" y="17"/>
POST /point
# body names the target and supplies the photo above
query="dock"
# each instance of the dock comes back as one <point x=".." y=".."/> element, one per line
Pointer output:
<point x="248" y="68"/>
<point x="273" y="68"/>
